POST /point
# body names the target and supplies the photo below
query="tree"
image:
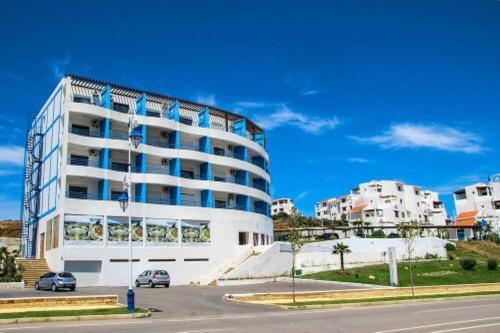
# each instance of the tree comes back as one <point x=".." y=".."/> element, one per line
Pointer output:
<point x="9" y="270"/>
<point x="341" y="249"/>
<point x="296" y="243"/>
<point x="409" y="231"/>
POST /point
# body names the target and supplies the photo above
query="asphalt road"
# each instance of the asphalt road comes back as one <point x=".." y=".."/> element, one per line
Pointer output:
<point x="185" y="301"/>
<point x="201" y="309"/>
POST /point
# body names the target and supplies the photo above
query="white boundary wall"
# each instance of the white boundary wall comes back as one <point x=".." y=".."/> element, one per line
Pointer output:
<point x="318" y="256"/>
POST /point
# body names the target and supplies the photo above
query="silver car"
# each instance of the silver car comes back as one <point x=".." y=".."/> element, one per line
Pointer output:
<point x="55" y="281"/>
<point x="153" y="278"/>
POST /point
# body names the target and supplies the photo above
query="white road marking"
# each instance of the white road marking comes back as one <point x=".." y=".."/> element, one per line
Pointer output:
<point x="467" y="328"/>
<point x="436" y="325"/>
<point x="458" y="308"/>
<point x="203" y="331"/>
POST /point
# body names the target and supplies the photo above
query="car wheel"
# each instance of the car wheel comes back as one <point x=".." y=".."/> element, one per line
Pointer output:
<point x="72" y="288"/>
<point x="167" y="285"/>
<point x="37" y="286"/>
<point x="137" y="284"/>
<point x="53" y="287"/>
<point x="151" y="284"/>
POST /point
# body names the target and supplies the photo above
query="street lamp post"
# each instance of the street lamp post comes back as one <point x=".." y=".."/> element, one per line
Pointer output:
<point x="124" y="199"/>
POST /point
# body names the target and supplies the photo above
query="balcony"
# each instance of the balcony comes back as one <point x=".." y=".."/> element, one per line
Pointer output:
<point x="157" y="200"/>
<point x="162" y="143"/>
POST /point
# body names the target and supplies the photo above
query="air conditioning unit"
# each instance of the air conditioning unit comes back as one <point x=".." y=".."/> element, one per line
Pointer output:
<point x="93" y="152"/>
<point x="231" y="197"/>
<point x="164" y="161"/>
<point x="233" y="172"/>
<point x="230" y="147"/>
<point x="164" y="134"/>
<point x="95" y="123"/>
<point x="165" y="189"/>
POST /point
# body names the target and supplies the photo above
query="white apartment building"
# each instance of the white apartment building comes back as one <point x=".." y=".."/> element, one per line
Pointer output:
<point x="200" y="184"/>
<point x="385" y="203"/>
<point x="476" y="203"/>
<point x="282" y="205"/>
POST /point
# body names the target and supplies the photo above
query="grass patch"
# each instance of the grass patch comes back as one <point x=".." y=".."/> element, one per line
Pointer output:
<point x="65" y="313"/>
<point x="425" y="273"/>
<point x="384" y="299"/>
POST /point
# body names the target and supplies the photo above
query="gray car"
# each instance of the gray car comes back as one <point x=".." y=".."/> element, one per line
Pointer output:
<point x="153" y="278"/>
<point x="55" y="281"/>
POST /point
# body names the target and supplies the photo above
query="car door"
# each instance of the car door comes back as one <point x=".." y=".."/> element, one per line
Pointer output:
<point x="146" y="277"/>
<point x="141" y="277"/>
<point x="44" y="280"/>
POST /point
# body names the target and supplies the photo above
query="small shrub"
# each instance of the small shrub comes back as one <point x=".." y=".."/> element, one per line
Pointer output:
<point x="492" y="237"/>
<point x="450" y="247"/>
<point x="451" y="257"/>
<point x="492" y="264"/>
<point x="431" y="256"/>
<point x="468" y="264"/>
<point x="378" y="234"/>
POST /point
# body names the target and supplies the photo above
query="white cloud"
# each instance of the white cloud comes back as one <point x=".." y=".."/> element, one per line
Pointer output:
<point x="284" y="116"/>
<point x="301" y="196"/>
<point x="433" y="136"/>
<point x="206" y="99"/>
<point x="12" y="155"/>
<point x="58" y="66"/>
<point x="358" y="160"/>
<point x="458" y="183"/>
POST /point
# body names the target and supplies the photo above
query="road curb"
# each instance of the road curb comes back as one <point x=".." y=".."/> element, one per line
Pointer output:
<point x="73" y="318"/>
<point x="388" y="302"/>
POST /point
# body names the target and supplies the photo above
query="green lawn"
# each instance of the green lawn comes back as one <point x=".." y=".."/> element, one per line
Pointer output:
<point x="425" y="273"/>
<point x="64" y="313"/>
<point x="386" y="299"/>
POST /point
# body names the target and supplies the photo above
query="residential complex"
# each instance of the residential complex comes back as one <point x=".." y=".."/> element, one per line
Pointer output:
<point x="282" y="205"/>
<point x="477" y="203"/>
<point x="385" y="203"/>
<point x="200" y="184"/>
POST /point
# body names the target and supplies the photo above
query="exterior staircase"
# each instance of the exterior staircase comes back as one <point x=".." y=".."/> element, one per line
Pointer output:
<point x="33" y="268"/>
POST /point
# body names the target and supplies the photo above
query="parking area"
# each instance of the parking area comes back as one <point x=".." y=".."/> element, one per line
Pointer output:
<point x="187" y="301"/>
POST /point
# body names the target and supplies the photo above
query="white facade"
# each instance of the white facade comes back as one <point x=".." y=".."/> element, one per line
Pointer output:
<point x="200" y="185"/>
<point x="385" y="203"/>
<point x="282" y="205"/>
<point x="478" y="202"/>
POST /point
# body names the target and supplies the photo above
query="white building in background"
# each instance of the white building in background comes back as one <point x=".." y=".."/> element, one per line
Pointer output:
<point x="282" y="205"/>
<point x="385" y="203"/>
<point x="200" y="185"/>
<point x="476" y="203"/>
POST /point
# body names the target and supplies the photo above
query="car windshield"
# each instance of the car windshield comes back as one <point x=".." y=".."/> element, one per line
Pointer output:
<point x="161" y="272"/>
<point x="66" y="275"/>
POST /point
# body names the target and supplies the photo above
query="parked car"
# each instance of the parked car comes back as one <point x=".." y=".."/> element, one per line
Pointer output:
<point x="55" y="281"/>
<point x="153" y="278"/>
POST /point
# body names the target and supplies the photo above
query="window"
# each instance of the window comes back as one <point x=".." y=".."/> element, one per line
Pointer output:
<point x="497" y="205"/>
<point x="119" y="166"/>
<point x="460" y="195"/>
<point x="77" y="192"/>
<point x="400" y="188"/>
<point x="123" y="108"/>
<point x="220" y="204"/>
<point x="219" y="151"/>
<point x="255" y="239"/>
<point x="242" y="238"/>
<point x="80" y="130"/>
<point x="417" y="192"/>
<point x="79" y="160"/>
<point x="186" y="121"/>
<point x="82" y="99"/>
<point x="187" y="174"/>
<point x="115" y="195"/>
<point x="396" y="213"/>
<point x="401" y="201"/>
<point x="403" y="215"/>
<point x="262" y="239"/>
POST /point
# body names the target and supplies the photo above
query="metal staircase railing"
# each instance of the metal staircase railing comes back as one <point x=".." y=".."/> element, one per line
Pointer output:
<point x="31" y="190"/>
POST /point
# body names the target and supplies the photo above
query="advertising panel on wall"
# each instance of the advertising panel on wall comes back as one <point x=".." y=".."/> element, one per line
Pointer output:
<point x="118" y="231"/>
<point x="195" y="233"/>
<point x="161" y="232"/>
<point x="83" y="230"/>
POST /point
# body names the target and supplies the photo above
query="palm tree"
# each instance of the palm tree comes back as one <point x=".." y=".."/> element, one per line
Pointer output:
<point x="341" y="249"/>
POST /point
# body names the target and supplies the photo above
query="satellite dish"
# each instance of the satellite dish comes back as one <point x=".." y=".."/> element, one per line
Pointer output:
<point x="496" y="178"/>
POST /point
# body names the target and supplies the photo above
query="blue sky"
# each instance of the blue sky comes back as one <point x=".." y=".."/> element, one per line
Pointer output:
<point x="349" y="91"/>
